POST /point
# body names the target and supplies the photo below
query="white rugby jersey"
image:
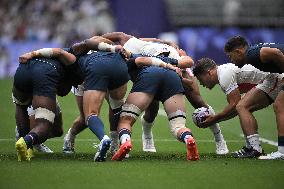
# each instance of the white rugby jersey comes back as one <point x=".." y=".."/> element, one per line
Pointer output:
<point x="138" y="46"/>
<point x="231" y="77"/>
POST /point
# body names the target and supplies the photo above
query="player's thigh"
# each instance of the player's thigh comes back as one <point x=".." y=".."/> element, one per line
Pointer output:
<point x="119" y="92"/>
<point x="92" y="102"/>
<point x="175" y="103"/>
<point x="140" y="99"/>
<point x="254" y="100"/>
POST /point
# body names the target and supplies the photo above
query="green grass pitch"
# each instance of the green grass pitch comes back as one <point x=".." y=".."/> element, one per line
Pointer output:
<point x="167" y="168"/>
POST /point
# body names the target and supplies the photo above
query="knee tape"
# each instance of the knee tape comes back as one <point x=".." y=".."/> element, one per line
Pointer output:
<point x="43" y="113"/>
<point x="31" y="111"/>
<point x="130" y="110"/>
<point x="177" y="121"/>
<point x="115" y="103"/>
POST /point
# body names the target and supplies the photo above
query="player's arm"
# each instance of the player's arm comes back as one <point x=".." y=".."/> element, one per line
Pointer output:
<point x="228" y="112"/>
<point x="94" y="43"/>
<point x="273" y="55"/>
<point x="161" y="41"/>
<point x="117" y="37"/>
<point x="153" y="61"/>
<point x="61" y="55"/>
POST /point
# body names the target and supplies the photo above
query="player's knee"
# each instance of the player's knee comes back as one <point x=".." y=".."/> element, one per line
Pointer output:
<point x="115" y="103"/>
<point x="278" y="107"/>
<point x="43" y="113"/>
<point x="241" y="106"/>
<point x="177" y="122"/>
<point x="130" y="110"/>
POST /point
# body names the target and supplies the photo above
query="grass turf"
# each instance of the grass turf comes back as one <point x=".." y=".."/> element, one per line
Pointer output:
<point x="165" y="169"/>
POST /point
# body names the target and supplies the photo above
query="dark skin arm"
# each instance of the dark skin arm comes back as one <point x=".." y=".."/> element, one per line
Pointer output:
<point x="89" y="44"/>
<point x="117" y="37"/>
<point x="272" y="55"/>
<point x="63" y="56"/>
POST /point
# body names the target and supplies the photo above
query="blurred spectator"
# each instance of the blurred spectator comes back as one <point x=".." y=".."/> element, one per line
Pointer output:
<point x="61" y="21"/>
<point x="231" y="11"/>
<point x="4" y="62"/>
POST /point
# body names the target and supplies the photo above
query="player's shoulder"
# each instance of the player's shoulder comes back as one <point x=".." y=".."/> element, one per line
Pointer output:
<point x="227" y="74"/>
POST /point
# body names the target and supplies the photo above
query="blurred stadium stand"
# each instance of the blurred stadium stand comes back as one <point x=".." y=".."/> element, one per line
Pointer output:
<point x="200" y="26"/>
<point x="244" y="13"/>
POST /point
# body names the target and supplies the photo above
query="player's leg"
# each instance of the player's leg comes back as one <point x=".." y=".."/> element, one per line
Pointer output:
<point x="136" y="102"/>
<point x="279" y="112"/>
<point x="255" y="99"/>
<point x="45" y="108"/>
<point x="175" y="109"/>
<point x="192" y="94"/>
<point x="77" y="127"/>
<point x="39" y="147"/>
<point x="92" y="102"/>
<point x="147" y="121"/>
<point x="115" y="100"/>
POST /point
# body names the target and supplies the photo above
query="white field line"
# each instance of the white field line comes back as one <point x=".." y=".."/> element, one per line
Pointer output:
<point x="264" y="140"/>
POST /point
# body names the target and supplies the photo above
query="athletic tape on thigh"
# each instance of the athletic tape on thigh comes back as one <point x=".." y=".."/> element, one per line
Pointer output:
<point x="130" y="110"/>
<point x="177" y="121"/>
<point x="31" y="110"/>
<point x="43" y="113"/>
<point x="115" y="103"/>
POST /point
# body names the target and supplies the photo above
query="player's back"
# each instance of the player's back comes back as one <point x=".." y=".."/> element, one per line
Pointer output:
<point x="138" y="46"/>
<point x="253" y="57"/>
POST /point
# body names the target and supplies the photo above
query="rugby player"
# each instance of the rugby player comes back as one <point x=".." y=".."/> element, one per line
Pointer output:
<point x="234" y="81"/>
<point x="267" y="57"/>
<point x="37" y="82"/>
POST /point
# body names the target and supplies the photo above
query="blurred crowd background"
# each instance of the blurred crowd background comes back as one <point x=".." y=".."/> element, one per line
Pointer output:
<point x="201" y="27"/>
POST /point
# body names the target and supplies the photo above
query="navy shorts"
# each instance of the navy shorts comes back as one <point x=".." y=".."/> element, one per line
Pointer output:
<point x="39" y="78"/>
<point x="106" y="72"/>
<point x="161" y="82"/>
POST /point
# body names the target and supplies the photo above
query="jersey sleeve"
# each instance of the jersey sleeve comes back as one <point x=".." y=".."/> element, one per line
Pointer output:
<point x="227" y="79"/>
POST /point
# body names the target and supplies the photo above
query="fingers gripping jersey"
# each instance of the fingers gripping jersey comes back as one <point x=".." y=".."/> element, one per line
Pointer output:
<point x="138" y="46"/>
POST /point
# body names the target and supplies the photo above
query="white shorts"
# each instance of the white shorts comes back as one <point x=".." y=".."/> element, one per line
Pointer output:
<point x="271" y="85"/>
<point x="78" y="91"/>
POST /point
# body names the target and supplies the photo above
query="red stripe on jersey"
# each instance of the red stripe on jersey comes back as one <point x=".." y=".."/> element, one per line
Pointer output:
<point x="245" y="87"/>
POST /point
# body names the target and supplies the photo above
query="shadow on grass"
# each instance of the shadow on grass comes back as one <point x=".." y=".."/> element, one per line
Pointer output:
<point x="135" y="156"/>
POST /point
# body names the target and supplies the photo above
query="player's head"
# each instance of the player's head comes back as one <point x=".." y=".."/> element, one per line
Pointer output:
<point x="235" y="49"/>
<point x="206" y="72"/>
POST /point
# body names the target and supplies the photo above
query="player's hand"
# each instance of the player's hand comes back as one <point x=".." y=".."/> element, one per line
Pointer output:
<point x="207" y="122"/>
<point x="118" y="48"/>
<point x="126" y="54"/>
<point x="23" y="59"/>
<point x="187" y="83"/>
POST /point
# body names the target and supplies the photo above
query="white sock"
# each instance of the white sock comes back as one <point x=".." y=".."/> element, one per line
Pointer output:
<point x="146" y="126"/>
<point x="124" y="138"/>
<point x="70" y="135"/>
<point x="254" y="142"/>
<point x="281" y="149"/>
<point x="217" y="132"/>
<point x="247" y="143"/>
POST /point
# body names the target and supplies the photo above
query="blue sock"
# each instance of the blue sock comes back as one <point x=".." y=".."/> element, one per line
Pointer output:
<point x="96" y="126"/>
<point x="280" y="140"/>
<point x="184" y="135"/>
<point x="30" y="139"/>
